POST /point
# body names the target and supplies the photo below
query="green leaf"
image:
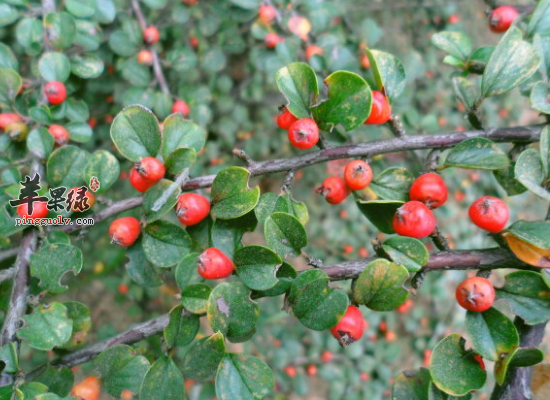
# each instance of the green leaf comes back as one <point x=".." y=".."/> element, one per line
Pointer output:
<point x="529" y="172"/>
<point x="454" y="370"/>
<point x="348" y="105"/>
<point x="52" y="262"/>
<point x="31" y="390"/>
<point x="7" y="58"/>
<point x="136" y="134"/>
<point x="380" y="286"/>
<point x="202" y="360"/>
<point x="40" y="142"/>
<point x="247" y="4"/>
<point x="47" y="327"/>
<point x="160" y="199"/>
<point x="527" y="295"/>
<point x="527" y="357"/>
<point x="54" y="66"/>
<point x="57" y="379"/>
<point x="502" y="365"/>
<point x="242" y="376"/>
<point x="285" y="234"/>
<point x="493" y="335"/>
<point x="231" y="197"/>
<point x="465" y="91"/>
<point x="140" y="269"/>
<point x="165" y="244"/>
<point x="29" y="34"/>
<point x="81" y="8"/>
<point x="298" y="83"/>
<point x="412" y="385"/>
<point x="163" y="381"/>
<point x="285" y="275"/>
<point x="79" y="131"/>
<point x="408" y="252"/>
<point x="180" y="159"/>
<point x="270" y="203"/>
<point x="180" y="133"/>
<point x="257" y="267"/>
<point x="8" y="15"/>
<point x="77" y="111"/>
<point x="10" y="84"/>
<point x="316" y="305"/>
<point x="65" y="166"/>
<point x="227" y="234"/>
<point x="231" y="311"/>
<point x="389" y="73"/>
<point x="10" y="358"/>
<point x="457" y="44"/>
<point x="380" y="213"/>
<point x="544" y="146"/>
<point x="512" y="63"/>
<point x="393" y="183"/>
<point x="435" y="394"/>
<point x="87" y="66"/>
<point x="186" y="270"/>
<point x="536" y="233"/>
<point x="105" y="167"/>
<point x="539" y="97"/>
<point x="60" y="29"/>
<point x="195" y="297"/>
<point x="82" y="323"/>
<point x="540" y="20"/>
<point x="181" y="328"/>
<point x="477" y="153"/>
<point x="507" y="179"/>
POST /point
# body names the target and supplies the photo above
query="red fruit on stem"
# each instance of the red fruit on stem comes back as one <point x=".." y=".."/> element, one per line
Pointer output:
<point x="193" y="41"/>
<point x="122" y="288"/>
<point x="39" y="210"/>
<point x="350" y="328"/>
<point x="430" y="189"/>
<point x="285" y="119"/>
<point x="267" y="14"/>
<point x="365" y="62"/>
<point x="501" y="18"/>
<point x="271" y="40"/>
<point x="414" y="219"/>
<point x="311" y="370"/>
<point x="139" y="182"/>
<point x="358" y="175"/>
<point x="475" y="294"/>
<point x="334" y="190"/>
<point x="55" y="92"/>
<point x="290" y="371"/>
<point x="60" y="135"/>
<point x="151" y="35"/>
<point x="145" y="57"/>
<point x="124" y="231"/>
<point x="181" y="107"/>
<point x="303" y="134"/>
<point x="327" y="356"/>
<point x="88" y="389"/>
<point x="8" y="118"/>
<point x="381" y="110"/>
<point x="313" y="50"/>
<point x="192" y="208"/>
<point x="151" y="168"/>
<point x="214" y="264"/>
<point x="489" y="213"/>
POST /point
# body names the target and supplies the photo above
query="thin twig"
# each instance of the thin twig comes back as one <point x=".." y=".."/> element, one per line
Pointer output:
<point x="242" y="155"/>
<point x="9" y="253"/>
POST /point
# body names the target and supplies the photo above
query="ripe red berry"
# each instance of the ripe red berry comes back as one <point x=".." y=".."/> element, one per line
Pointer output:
<point x="285" y="119"/>
<point x="145" y="57"/>
<point x="489" y="213"/>
<point x="181" y="107"/>
<point x="479" y="360"/>
<point x="139" y="182"/>
<point x="55" y="92"/>
<point x="122" y="288"/>
<point x="381" y="110"/>
<point x="327" y="356"/>
<point x="271" y="40"/>
<point x="60" y="135"/>
<point x="311" y="370"/>
<point x="151" y="169"/>
<point x="350" y="328"/>
<point x="334" y="190"/>
<point x="192" y="208"/>
<point x="290" y="371"/>
<point x="475" y="294"/>
<point x="193" y="41"/>
<point x="414" y="219"/>
<point x="8" y="118"/>
<point x="430" y="189"/>
<point x="189" y="2"/>
<point x="358" y="175"/>
<point x="453" y="19"/>
<point x="214" y="264"/>
<point x="313" y="50"/>
<point x="88" y="389"/>
<point x="303" y="134"/>
<point x="151" y="35"/>
<point x="406" y="306"/>
<point x="39" y="210"/>
<point x="124" y="231"/>
<point x="365" y="62"/>
<point x="501" y="18"/>
<point x="267" y="14"/>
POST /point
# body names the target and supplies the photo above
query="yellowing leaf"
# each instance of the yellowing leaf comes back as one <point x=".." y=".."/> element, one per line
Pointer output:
<point x="528" y="253"/>
<point x="300" y="26"/>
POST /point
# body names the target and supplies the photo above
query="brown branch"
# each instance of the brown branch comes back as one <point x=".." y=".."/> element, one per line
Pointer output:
<point x="7" y="274"/>
<point x="9" y="253"/>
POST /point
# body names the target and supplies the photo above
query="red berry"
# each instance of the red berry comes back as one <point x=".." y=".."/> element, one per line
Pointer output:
<point x="39" y="210"/>
<point x="406" y="306"/>
<point x="430" y="189"/>
<point x="181" y="107"/>
<point x="124" y="231"/>
<point x="381" y="110"/>
<point x="365" y="62"/>
<point x="326" y="356"/>
<point x="285" y="119"/>
<point x="214" y="264"/>
<point x="151" y="35"/>
<point x="453" y="19"/>
<point x="489" y="213"/>
<point x="192" y="208"/>
<point x="501" y="18"/>
<point x="151" y="169"/>
<point x="290" y="371"/>
<point x="311" y="370"/>
<point x="145" y="57"/>
<point x="303" y="134"/>
<point x="358" y="175"/>
<point x="334" y="190"/>
<point x="414" y="219"/>
<point x="88" y="389"/>
<point x="475" y="294"/>
<point x="271" y="40"/>
<point x="60" y="135"/>
<point x="267" y="13"/>
<point x="193" y="41"/>
<point x="364" y="376"/>
<point x="350" y="328"/>
<point x="55" y="92"/>
<point x="313" y="50"/>
<point x="8" y="118"/>
<point x="122" y="288"/>
<point x="139" y="182"/>
<point x="189" y="2"/>
<point x="478" y="358"/>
